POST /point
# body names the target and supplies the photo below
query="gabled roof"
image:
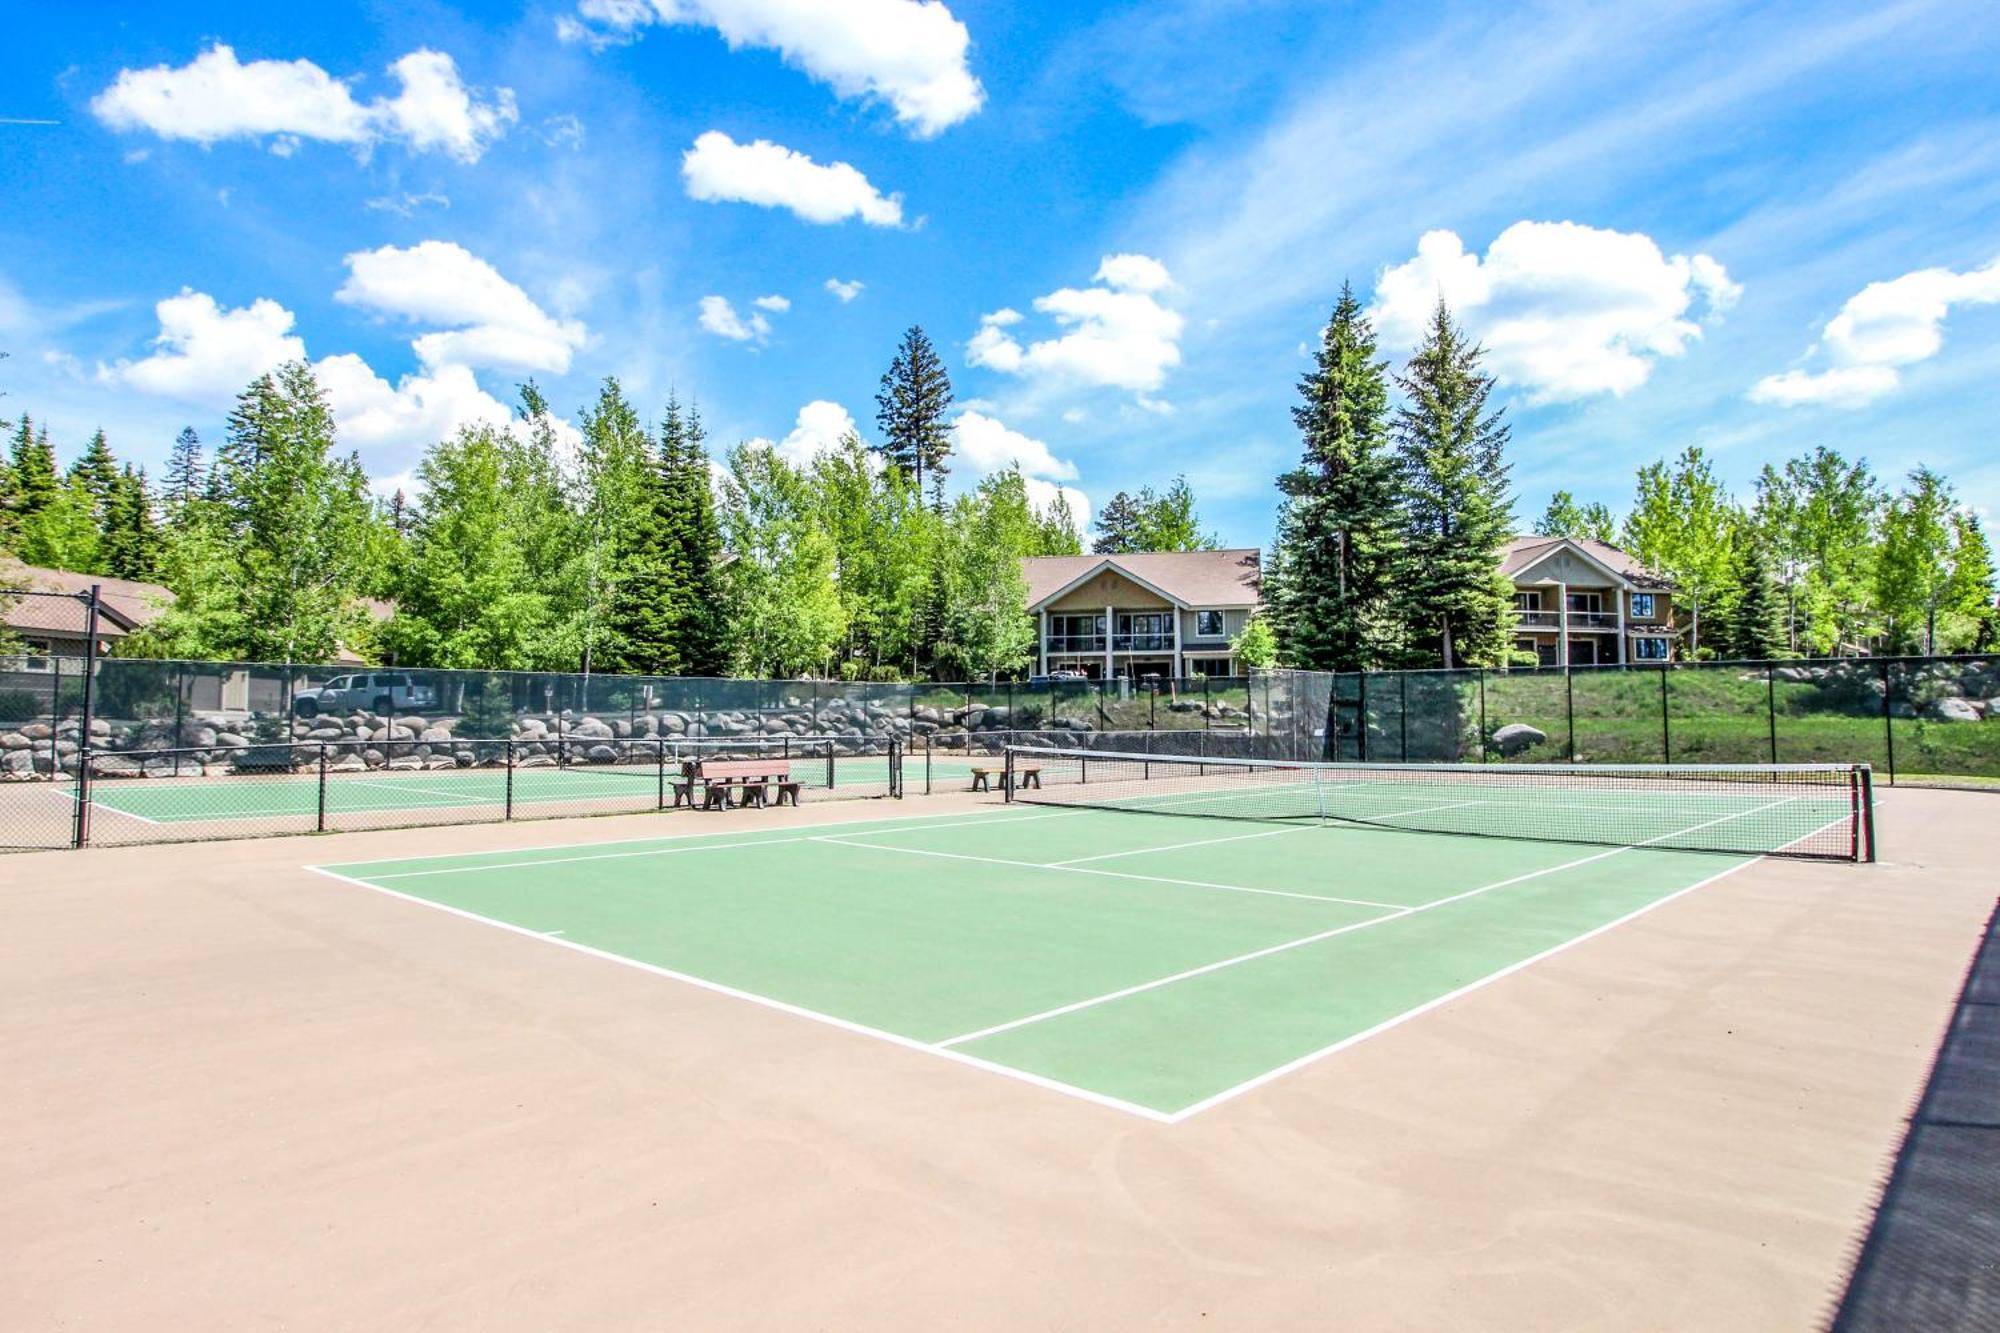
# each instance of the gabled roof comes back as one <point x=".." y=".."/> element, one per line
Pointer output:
<point x="1522" y="553"/>
<point x="126" y="603"/>
<point x="1186" y="578"/>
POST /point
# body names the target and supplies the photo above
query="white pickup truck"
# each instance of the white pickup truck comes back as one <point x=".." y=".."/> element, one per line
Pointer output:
<point x="375" y="691"/>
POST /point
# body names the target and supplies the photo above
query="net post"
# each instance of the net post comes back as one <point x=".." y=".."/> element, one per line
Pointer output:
<point x="829" y="766"/>
<point x="1482" y="715"/>
<point x="930" y="742"/>
<point x="896" y="768"/>
<point x="1888" y="724"/>
<point x="1864" y="789"/>
<point x="1403" y="714"/>
<point x="82" y="831"/>
<point x="1007" y="775"/>
<point x="321" y="828"/>
<point x="507" y="810"/>
<point x="1569" y="706"/>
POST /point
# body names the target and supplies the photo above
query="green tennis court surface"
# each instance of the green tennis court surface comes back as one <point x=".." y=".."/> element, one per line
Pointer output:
<point x="193" y="800"/>
<point x="1152" y="962"/>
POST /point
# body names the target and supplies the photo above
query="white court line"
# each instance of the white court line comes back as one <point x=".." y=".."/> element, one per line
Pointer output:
<point x="1109" y="874"/>
<point x="797" y="1011"/>
<point x="1354" y="1039"/>
<point x="650" y="851"/>
<point x="1095" y="1000"/>
<point x="68" y="797"/>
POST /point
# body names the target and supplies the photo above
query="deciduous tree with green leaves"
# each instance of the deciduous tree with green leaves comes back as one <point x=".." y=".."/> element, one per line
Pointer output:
<point x="1566" y="518"/>
<point x="785" y="607"/>
<point x="1683" y="524"/>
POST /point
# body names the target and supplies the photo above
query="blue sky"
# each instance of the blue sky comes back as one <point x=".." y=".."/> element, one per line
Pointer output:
<point x="1753" y="228"/>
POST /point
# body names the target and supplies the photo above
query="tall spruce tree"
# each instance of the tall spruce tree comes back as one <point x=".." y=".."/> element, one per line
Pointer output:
<point x="1117" y="526"/>
<point x="1451" y="451"/>
<point x="910" y="409"/>
<point x="96" y="471"/>
<point x="616" y="505"/>
<point x="130" y="546"/>
<point x="185" y="471"/>
<point x="699" y="622"/>
<point x="1757" y="615"/>
<point x="1336" y="560"/>
<point x="36" y="480"/>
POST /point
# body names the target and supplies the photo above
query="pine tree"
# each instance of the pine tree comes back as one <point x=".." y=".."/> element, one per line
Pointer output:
<point x="1757" y="619"/>
<point x="185" y="471"/>
<point x="34" y="467"/>
<point x="96" y="471"/>
<point x="910" y="408"/>
<point x="402" y="518"/>
<point x="1457" y="511"/>
<point x="1336" y="558"/>
<point x="616" y="507"/>
<point x="130" y="547"/>
<point x="700" y="624"/>
<point x="1117" y="526"/>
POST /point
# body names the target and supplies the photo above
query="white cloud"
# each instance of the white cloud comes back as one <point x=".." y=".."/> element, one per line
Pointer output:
<point x="720" y="318"/>
<point x="908" y="53"/>
<point x="406" y="205"/>
<point x="217" y="97"/>
<point x="493" y="324"/>
<point x="775" y="304"/>
<point x="1882" y="327"/>
<point x="819" y="427"/>
<point x="1118" y="334"/>
<point x="846" y="291"/>
<point x="987" y="446"/>
<point x="1565" y="311"/>
<point x="1042" y="494"/>
<point x="204" y="353"/>
<point x="720" y="170"/>
<point x="395" y="420"/>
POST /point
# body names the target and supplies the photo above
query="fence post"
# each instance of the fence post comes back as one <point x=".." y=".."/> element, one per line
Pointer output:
<point x="1482" y="715"/>
<point x="1360" y="719"/>
<point x="660" y="756"/>
<point x="1888" y="724"/>
<point x="1403" y="715"/>
<point x="1569" y="709"/>
<point x="1771" y="705"/>
<point x="1666" y="723"/>
<point x="82" y="831"/>
<point x="321" y="828"/>
<point x="507" y="811"/>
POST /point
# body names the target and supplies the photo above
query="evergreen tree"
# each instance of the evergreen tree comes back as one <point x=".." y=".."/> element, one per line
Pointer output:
<point x="1566" y="518"/>
<point x="186" y="472"/>
<point x="96" y="471"/>
<point x="700" y="629"/>
<point x="130" y="546"/>
<point x="1971" y="587"/>
<point x="401" y="516"/>
<point x="1451" y="449"/>
<point x="33" y="459"/>
<point x="910" y="409"/>
<point x="63" y="532"/>
<point x="1757" y="620"/>
<point x="1118" y="526"/>
<point x="1336" y="559"/>
<point x="1169" y="522"/>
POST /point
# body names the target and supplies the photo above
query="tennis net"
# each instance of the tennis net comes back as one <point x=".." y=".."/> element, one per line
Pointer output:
<point x="1803" y="810"/>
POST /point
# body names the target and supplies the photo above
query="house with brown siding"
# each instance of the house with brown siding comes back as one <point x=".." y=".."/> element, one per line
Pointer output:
<point x="1149" y="613"/>
<point x="1587" y="603"/>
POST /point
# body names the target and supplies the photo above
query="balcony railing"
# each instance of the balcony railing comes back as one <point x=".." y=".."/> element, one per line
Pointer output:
<point x="1577" y="620"/>
<point x="1076" y="643"/>
<point x="1143" y="643"/>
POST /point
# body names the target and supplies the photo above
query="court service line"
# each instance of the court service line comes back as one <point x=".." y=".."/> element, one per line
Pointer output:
<point x="1243" y="837"/>
<point x="1354" y="1039"/>
<point x="69" y="798"/>
<point x="1092" y="1002"/>
<point x="768" y="1002"/>
<point x="1109" y="874"/>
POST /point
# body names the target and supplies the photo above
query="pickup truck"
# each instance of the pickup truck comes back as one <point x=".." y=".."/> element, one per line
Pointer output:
<point x="377" y="692"/>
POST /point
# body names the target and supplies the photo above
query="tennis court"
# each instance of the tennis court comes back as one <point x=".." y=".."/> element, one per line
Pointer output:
<point x="1111" y="942"/>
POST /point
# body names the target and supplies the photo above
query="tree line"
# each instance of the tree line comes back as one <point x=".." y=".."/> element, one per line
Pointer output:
<point x="1392" y="526"/>
<point x="635" y="551"/>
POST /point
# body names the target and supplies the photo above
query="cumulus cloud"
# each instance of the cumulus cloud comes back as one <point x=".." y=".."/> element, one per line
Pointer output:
<point x="489" y="322"/>
<point x="1565" y="311"/>
<point x="720" y="170"/>
<point x="206" y="353"/>
<point x="910" y="54"/>
<point x="217" y="97"/>
<point x="986" y="446"/>
<point x="819" y="427"/>
<point x="719" y="317"/>
<point x="845" y="291"/>
<point x="775" y="304"/>
<point x="1884" y="326"/>
<point x="1118" y="333"/>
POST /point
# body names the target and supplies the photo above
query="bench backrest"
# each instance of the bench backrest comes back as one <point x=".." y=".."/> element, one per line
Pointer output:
<point x="744" y="768"/>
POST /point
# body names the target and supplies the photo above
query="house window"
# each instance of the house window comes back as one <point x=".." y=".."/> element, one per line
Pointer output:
<point x="1586" y="601"/>
<point x="1649" y="650"/>
<point x="1528" y="601"/>
<point x="1208" y="624"/>
<point x="1642" y="606"/>
<point x="37" y="656"/>
<point x="1076" y="634"/>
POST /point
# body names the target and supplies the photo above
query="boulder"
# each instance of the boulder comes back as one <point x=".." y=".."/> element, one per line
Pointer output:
<point x="14" y="740"/>
<point x="38" y="731"/>
<point x="326" y="734"/>
<point x="348" y="763"/>
<point x="601" y="754"/>
<point x="1953" y="709"/>
<point x="589" y="728"/>
<point x="407" y="763"/>
<point x="230" y="740"/>
<point x="17" y="764"/>
<point x="534" y="761"/>
<point x="1515" y="737"/>
<point x="434" y="734"/>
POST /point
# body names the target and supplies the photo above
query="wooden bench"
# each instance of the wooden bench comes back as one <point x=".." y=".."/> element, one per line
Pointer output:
<point x="1027" y="775"/>
<point x="751" y="779"/>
